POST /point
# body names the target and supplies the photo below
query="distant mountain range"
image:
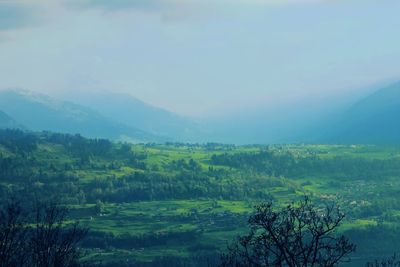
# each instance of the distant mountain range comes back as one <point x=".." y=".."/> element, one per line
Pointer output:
<point x="128" y="110"/>
<point x="6" y="121"/>
<point x="39" y="112"/>
<point x="372" y="119"/>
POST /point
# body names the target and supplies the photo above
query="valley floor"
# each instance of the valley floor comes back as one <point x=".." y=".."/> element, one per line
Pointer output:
<point x="181" y="204"/>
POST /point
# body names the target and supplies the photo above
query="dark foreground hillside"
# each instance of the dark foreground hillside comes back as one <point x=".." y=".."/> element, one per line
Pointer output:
<point x="179" y="204"/>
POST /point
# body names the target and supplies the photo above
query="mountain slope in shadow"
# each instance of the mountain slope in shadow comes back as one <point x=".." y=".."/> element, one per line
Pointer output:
<point x="374" y="119"/>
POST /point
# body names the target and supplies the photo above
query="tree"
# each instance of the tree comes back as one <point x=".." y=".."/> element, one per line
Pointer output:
<point x="99" y="208"/>
<point x="298" y="235"/>
<point x="38" y="239"/>
<point x="387" y="262"/>
<point x="13" y="233"/>
<point x="52" y="243"/>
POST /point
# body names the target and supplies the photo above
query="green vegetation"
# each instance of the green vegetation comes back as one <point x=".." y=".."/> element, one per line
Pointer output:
<point x="177" y="204"/>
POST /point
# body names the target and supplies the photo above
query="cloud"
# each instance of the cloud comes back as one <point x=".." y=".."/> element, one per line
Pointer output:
<point x="116" y="5"/>
<point x="274" y="2"/>
<point x="15" y="15"/>
<point x="250" y="2"/>
<point x="181" y="10"/>
<point x="166" y="10"/>
<point x="156" y="5"/>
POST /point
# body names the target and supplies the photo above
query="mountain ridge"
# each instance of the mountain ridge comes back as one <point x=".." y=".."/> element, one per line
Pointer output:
<point x="129" y="110"/>
<point x="6" y="121"/>
<point x="373" y="119"/>
<point x="40" y="112"/>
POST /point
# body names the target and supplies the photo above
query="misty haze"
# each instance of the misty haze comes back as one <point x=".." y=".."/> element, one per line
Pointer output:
<point x="199" y="133"/>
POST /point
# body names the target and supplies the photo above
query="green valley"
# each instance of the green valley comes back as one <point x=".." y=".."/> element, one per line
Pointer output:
<point x="180" y="204"/>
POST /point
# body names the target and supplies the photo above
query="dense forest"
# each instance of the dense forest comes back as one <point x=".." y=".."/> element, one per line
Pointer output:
<point x="175" y="203"/>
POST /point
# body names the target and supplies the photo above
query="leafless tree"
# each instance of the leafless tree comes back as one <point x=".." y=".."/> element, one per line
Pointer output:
<point x="53" y="243"/>
<point x="13" y="235"/>
<point x="299" y="235"/>
<point x="42" y="238"/>
<point x="388" y="262"/>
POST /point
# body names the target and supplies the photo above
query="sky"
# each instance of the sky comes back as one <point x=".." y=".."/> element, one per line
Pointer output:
<point x="199" y="57"/>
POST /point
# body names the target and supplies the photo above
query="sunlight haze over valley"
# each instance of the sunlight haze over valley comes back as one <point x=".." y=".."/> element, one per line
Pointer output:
<point x="232" y="133"/>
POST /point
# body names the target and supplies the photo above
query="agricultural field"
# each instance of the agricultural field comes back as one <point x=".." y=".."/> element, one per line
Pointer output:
<point x="181" y="204"/>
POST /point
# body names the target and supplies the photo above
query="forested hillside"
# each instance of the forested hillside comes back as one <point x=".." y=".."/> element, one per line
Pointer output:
<point x="179" y="204"/>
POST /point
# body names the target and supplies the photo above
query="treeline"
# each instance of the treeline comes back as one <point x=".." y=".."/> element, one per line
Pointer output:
<point x="143" y="186"/>
<point x="58" y="172"/>
<point x="229" y="175"/>
<point x="18" y="141"/>
<point x="289" y="165"/>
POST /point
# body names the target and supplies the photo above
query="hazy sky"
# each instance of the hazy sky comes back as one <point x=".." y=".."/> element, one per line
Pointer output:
<point x="198" y="57"/>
